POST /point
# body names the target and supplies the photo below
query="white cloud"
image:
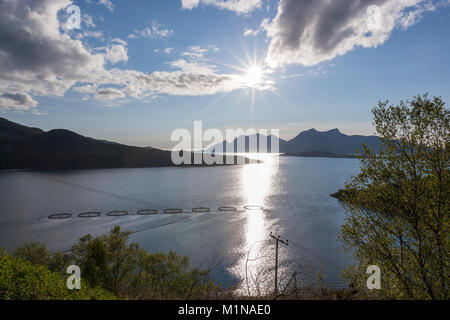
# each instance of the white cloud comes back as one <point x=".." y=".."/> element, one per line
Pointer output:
<point x="308" y="32"/>
<point x="21" y="101"/>
<point x="154" y="32"/>
<point x="168" y="50"/>
<point x="238" y="6"/>
<point x="120" y="41"/>
<point x="195" y="52"/>
<point x="92" y="34"/>
<point x="193" y="66"/>
<point x="108" y="4"/>
<point x="198" y="52"/>
<point x="116" y="53"/>
<point x="37" y="58"/>
<point x="290" y="76"/>
<point x="88" y="21"/>
<point x="250" y="32"/>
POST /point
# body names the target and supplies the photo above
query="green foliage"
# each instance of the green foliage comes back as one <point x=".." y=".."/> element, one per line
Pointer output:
<point x="108" y="262"/>
<point x="129" y="271"/>
<point x="59" y="262"/>
<point x="169" y="276"/>
<point x="38" y="254"/>
<point x="22" y="280"/>
<point x="399" y="205"/>
<point x="33" y="252"/>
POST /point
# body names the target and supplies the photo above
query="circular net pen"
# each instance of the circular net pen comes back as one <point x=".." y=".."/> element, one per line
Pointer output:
<point x="173" y="211"/>
<point x="89" y="214"/>
<point x="147" y="212"/>
<point x="60" y="216"/>
<point x="254" y="208"/>
<point x="227" y="209"/>
<point x="118" y="213"/>
<point x="201" y="209"/>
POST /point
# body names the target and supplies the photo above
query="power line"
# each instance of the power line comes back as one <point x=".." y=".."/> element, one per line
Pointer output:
<point x="92" y="189"/>
<point x="278" y="240"/>
<point x="315" y="255"/>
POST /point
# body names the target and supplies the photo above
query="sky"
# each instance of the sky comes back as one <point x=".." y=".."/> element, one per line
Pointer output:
<point x="134" y="71"/>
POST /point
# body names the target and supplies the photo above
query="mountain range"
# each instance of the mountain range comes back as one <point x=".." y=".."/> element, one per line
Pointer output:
<point x="311" y="142"/>
<point x="23" y="147"/>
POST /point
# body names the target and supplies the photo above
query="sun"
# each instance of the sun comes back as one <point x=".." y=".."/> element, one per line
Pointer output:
<point x="254" y="75"/>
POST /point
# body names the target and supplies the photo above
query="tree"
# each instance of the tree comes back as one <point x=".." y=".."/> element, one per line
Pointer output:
<point x="106" y="260"/>
<point x="33" y="252"/>
<point x="37" y="253"/>
<point x="129" y="271"/>
<point x="398" y="205"/>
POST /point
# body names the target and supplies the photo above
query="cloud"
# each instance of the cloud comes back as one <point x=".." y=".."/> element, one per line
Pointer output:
<point x="238" y="6"/>
<point x="182" y="82"/>
<point x="38" y="112"/>
<point x="193" y="66"/>
<point x="154" y="32"/>
<point x="168" y="50"/>
<point x="291" y="76"/>
<point x="109" y="94"/>
<point x="88" y="21"/>
<point x="40" y="58"/>
<point x="198" y="52"/>
<point x="107" y="3"/>
<point x="120" y="41"/>
<point x="116" y="53"/>
<point x="308" y="32"/>
<point x="35" y="56"/>
<point x="16" y="101"/>
<point x="250" y="32"/>
<point x="92" y="34"/>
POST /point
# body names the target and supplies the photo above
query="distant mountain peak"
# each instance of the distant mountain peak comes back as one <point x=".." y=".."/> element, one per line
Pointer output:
<point x="335" y="130"/>
<point x="315" y="132"/>
<point x="332" y="141"/>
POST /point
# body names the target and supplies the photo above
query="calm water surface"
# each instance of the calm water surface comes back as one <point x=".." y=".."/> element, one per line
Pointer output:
<point x="294" y="194"/>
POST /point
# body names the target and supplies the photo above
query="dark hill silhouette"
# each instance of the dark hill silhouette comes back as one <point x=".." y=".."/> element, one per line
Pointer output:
<point x="329" y="143"/>
<point x="31" y="148"/>
<point x="11" y="131"/>
<point x="332" y="141"/>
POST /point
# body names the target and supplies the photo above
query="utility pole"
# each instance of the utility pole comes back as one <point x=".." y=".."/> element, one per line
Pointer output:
<point x="276" y="259"/>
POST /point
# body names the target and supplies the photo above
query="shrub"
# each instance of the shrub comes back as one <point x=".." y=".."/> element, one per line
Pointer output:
<point x="129" y="271"/>
<point x="22" y="280"/>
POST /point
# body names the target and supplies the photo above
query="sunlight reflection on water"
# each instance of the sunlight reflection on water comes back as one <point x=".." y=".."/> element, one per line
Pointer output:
<point x="257" y="181"/>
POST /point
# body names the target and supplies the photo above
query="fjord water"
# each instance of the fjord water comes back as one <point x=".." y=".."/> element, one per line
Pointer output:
<point x="294" y="194"/>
